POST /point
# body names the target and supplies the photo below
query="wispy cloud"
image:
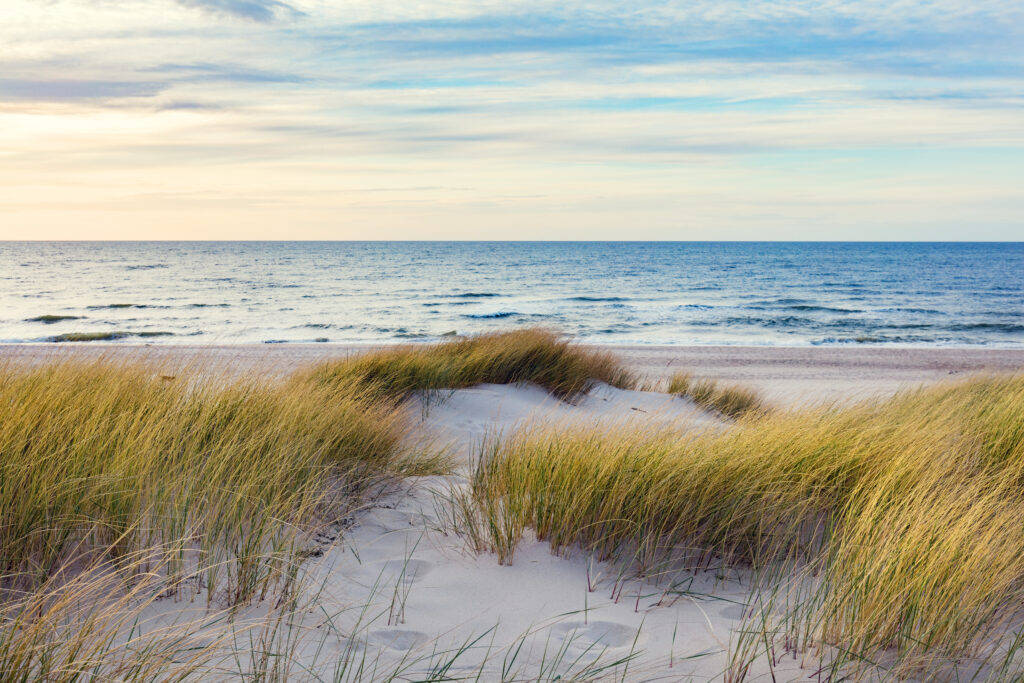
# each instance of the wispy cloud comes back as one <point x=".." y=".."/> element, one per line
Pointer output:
<point x="32" y="90"/>
<point x="524" y="98"/>
<point x="255" y="10"/>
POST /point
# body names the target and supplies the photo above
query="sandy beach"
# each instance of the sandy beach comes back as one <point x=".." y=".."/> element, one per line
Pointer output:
<point x="399" y="586"/>
<point x="779" y="372"/>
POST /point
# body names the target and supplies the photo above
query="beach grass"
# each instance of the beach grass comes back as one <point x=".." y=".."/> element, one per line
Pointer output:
<point x="528" y="355"/>
<point x="121" y="484"/>
<point x="731" y="400"/>
<point x="114" y="459"/>
<point x="900" y="523"/>
<point x="887" y="535"/>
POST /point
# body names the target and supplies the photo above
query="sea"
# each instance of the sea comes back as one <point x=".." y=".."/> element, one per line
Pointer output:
<point x="746" y="293"/>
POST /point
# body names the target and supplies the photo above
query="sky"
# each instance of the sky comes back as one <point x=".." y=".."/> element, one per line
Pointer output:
<point x="518" y="119"/>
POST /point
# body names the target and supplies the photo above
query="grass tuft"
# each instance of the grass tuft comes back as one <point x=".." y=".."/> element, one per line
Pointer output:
<point x="528" y="355"/>
<point x="113" y="459"/>
<point x="729" y="400"/>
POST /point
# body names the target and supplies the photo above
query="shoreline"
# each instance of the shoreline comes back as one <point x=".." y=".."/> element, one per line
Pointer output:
<point x="780" y="373"/>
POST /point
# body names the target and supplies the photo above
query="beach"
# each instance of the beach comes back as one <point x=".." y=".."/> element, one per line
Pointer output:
<point x="414" y="579"/>
<point x="785" y="373"/>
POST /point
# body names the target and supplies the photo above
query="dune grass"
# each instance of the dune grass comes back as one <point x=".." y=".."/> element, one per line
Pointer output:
<point x="121" y="485"/>
<point x="901" y="521"/>
<point x="96" y="457"/>
<point x="730" y="400"/>
<point x="528" y="355"/>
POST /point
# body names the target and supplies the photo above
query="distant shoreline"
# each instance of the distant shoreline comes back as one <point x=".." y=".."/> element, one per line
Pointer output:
<point x="782" y="372"/>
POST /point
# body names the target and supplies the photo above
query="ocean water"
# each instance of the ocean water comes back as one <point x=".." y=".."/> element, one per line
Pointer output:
<point x="777" y="293"/>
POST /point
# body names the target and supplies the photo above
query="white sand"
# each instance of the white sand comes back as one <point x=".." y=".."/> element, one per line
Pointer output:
<point x="541" y="600"/>
<point x="403" y="591"/>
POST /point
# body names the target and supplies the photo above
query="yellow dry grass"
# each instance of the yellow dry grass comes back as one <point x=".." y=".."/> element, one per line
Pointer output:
<point x="730" y="400"/>
<point x="119" y="485"/>
<point x="96" y="457"/>
<point x="903" y="519"/>
<point x="527" y="355"/>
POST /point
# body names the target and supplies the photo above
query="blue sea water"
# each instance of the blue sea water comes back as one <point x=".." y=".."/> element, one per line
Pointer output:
<point x="774" y="293"/>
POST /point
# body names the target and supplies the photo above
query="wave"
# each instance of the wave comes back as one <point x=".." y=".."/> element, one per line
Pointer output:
<point x="147" y="267"/>
<point x="823" y="309"/>
<point x="434" y="304"/>
<point x="50" y="319"/>
<point x="927" y="311"/>
<point x="861" y="339"/>
<point x="105" y="336"/>
<point x="599" y="298"/>
<point x="789" y="321"/>
<point x="470" y="295"/>
<point x="992" y="327"/>
<point x="491" y="316"/>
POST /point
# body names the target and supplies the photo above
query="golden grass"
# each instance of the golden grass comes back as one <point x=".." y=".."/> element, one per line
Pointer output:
<point x="729" y="400"/>
<point x="528" y="355"/>
<point x="120" y="486"/>
<point x="905" y="517"/>
<point x="96" y="457"/>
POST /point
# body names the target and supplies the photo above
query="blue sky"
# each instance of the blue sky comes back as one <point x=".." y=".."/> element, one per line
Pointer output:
<point x="275" y="119"/>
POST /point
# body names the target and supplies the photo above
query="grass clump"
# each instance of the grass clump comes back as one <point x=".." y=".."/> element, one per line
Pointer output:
<point x="901" y="522"/>
<point x="730" y="400"/>
<point x="121" y="485"/>
<point x="528" y="355"/>
<point x="97" y="458"/>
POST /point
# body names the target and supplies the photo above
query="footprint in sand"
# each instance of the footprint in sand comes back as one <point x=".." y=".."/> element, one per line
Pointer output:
<point x="398" y="639"/>
<point x="596" y="635"/>
<point x="410" y="571"/>
<point x="390" y="520"/>
<point x="733" y="612"/>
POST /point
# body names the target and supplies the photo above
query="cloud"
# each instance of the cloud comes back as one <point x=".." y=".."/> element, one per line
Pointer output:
<point x="203" y="72"/>
<point x="509" y="92"/>
<point x="59" y="90"/>
<point x="254" y="10"/>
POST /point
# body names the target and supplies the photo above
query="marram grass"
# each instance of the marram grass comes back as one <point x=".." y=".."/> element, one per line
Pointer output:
<point x="97" y="457"/>
<point x="120" y="485"/>
<point x="901" y="521"/>
<point x="730" y="400"/>
<point x="528" y="355"/>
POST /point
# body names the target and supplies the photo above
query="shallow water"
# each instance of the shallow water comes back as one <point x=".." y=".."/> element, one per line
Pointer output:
<point x="655" y="292"/>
